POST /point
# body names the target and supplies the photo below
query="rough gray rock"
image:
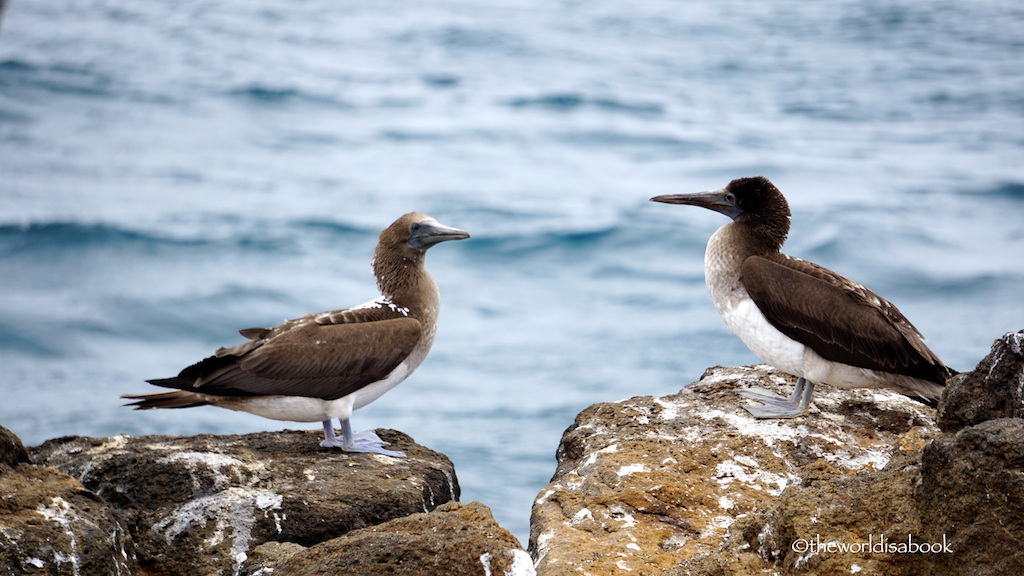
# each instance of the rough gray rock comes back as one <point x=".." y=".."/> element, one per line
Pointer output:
<point x="50" y="524"/>
<point x="455" y="540"/>
<point x="253" y="505"/>
<point x="648" y="484"/>
<point x="866" y="510"/>
<point x="995" y="389"/>
<point x="198" y="505"/>
<point x="971" y="494"/>
<point x="12" y="451"/>
<point x="265" y="558"/>
<point x="686" y="484"/>
<point x="690" y="484"/>
<point x="953" y="508"/>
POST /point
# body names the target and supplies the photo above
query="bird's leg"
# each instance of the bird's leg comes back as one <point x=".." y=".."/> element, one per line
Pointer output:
<point x="365" y="441"/>
<point x="330" y="440"/>
<point x="776" y="406"/>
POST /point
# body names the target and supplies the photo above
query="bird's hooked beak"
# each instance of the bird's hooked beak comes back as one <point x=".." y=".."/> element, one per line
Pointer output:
<point x="426" y="233"/>
<point x="721" y="200"/>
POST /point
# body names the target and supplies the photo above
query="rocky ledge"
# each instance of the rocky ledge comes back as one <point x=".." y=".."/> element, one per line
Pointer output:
<point x="866" y="483"/>
<point x="869" y="482"/>
<point x="253" y="504"/>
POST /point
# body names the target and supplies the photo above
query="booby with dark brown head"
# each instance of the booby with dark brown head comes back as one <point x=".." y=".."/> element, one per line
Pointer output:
<point x="326" y="365"/>
<point x="800" y="317"/>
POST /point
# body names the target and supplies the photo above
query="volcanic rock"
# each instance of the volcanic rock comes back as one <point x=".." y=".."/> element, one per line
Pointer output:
<point x="650" y="485"/>
<point x="198" y="505"/>
<point x="50" y="524"/>
<point x="455" y="540"/>
<point x="971" y="495"/>
<point x="995" y="389"/>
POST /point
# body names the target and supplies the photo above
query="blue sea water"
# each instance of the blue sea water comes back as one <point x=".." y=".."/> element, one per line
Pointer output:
<point x="173" y="171"/>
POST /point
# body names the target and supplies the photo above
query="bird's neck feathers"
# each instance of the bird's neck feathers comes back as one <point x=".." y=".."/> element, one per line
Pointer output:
<point x="765" y="229"/>
<point x="402" y="277"/>
<point x="762" y="240"/>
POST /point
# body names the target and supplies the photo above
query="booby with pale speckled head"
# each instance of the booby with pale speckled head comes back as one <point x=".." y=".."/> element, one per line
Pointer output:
<point x="800" y="317"/>
<point x="326" y="365"/>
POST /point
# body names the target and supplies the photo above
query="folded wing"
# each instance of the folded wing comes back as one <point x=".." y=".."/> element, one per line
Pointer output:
<point x="841" y="320"/>
<point x="326" y="356"/>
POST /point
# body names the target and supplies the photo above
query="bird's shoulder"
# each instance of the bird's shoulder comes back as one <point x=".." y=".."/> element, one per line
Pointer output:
<point x="350" y="348"/>
<point x="828" y="284"/>
<point x="364" y="323"/>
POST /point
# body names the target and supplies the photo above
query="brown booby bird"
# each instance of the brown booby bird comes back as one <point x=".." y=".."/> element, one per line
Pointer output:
<point x="323" y="366"/>
<point x="800" y="317"/>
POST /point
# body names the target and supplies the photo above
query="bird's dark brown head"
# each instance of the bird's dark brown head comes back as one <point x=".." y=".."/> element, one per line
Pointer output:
<point x="414" y="233"/>
<point x="754" y="202"/>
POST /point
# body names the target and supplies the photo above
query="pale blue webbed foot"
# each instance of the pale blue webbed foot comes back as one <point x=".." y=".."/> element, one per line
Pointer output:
<point x="776" y="406"/>
<point x="366" y="441"/>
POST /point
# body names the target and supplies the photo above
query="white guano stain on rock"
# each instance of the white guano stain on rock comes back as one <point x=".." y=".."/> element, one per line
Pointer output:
<point x="749" y="474"/>
<point x="521" y="564"/>
<point x="99" y="454"/>
<point x="543" y="497"/>
<point x="670" y="411"/>
<point x="592" y="459"/>
<point x="640" y="468"/>
<point x="581" y="516"/>
<point x="847" y="451"/>
<point x="233" y="514"/>
<point x="544" y="542"/>
<point x="62" y="514"/>
<point x="195" y="461"/>
<point x="618" y="513"/>
<point x="631" y="469"/>
<point x="485" y="559"/>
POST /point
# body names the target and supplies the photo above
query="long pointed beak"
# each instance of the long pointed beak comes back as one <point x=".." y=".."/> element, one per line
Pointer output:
<point x="717" y="200"/>
<point x="432" y="232"/>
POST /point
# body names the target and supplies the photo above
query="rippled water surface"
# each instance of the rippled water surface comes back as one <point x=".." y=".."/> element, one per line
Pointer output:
<point x="171" y="172"/>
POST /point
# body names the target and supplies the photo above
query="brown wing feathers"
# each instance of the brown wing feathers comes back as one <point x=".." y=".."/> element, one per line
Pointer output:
<point x="839" y="319"/>
<point x="309" y="356"/>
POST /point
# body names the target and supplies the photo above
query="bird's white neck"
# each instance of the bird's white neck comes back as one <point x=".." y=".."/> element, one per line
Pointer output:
<point x="723" y="257"/>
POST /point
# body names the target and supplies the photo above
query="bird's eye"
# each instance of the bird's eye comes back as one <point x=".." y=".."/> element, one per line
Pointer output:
<point x="730" y="198"/>
<point x="415" y="227"/>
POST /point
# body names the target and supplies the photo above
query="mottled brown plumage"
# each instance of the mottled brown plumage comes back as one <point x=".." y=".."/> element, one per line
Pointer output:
<point x="339" y="360"/>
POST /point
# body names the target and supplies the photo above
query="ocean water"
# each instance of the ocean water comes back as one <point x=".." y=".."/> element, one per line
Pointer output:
<point x="172" y="172"/>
